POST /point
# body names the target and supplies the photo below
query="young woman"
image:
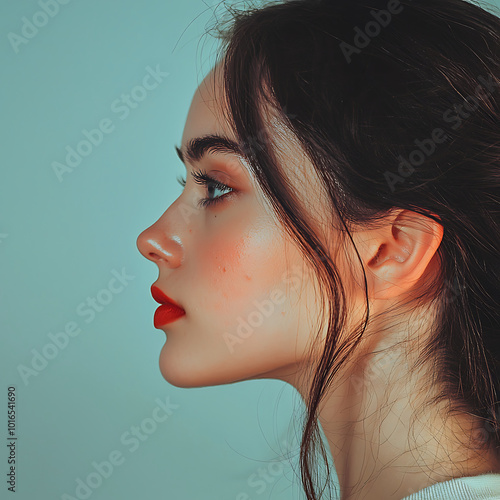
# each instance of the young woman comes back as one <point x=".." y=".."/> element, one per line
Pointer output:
<point x="339" y="230"/>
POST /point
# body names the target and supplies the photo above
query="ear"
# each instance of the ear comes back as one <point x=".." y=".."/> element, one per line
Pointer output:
<point x="397" y="254"/>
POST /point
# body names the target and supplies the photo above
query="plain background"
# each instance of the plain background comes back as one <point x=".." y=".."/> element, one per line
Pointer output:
<point x="61" y="239"/>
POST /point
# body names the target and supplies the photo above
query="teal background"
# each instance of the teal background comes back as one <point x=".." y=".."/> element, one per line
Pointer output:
<point x="60" y="242"/>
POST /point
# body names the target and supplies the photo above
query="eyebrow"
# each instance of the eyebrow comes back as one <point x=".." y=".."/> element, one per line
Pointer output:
<point x="199" y="146"/>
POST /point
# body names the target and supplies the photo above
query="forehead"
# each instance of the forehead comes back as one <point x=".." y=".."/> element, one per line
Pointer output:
<point x="205" y="115"/>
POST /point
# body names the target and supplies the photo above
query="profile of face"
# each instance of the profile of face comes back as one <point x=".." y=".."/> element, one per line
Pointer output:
<point x="249" y="301"/>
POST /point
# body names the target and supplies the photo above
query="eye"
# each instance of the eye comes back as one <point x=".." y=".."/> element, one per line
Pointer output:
<point x="201" y="177"/>
<point x="181" y="181"/>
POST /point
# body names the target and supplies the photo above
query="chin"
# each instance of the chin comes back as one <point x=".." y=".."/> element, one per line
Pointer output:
<point x="191" y="371"/>
<point x="178" y="379"/>
<point x="175" y="371"/>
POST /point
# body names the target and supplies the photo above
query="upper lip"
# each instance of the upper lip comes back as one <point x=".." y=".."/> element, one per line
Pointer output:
<point x="161" y="297"/>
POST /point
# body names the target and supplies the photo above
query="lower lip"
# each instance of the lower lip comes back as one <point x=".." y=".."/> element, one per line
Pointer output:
<point x="167" y="313"/>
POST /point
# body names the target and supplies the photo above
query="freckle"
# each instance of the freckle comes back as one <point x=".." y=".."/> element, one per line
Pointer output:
<point x="282" y="313"/>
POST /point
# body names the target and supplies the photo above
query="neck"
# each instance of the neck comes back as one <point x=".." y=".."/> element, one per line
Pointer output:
<point x="387" y="435"/>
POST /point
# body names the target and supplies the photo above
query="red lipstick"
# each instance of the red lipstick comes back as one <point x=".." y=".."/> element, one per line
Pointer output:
<point x="169" y="311"/>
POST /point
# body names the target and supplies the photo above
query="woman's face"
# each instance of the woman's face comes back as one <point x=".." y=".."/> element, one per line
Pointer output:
<point x="248" y="298"/>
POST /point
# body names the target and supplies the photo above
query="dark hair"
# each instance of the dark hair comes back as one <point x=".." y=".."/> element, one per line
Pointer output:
<point x="396" y="105"/>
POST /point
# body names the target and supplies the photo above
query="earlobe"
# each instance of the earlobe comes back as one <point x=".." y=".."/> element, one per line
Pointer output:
<point x="400" y="252"/>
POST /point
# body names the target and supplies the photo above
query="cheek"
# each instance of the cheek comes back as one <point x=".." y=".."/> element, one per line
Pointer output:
<point x="240" y="262"/>
<point x="227" y="265"/>
<point x="239" y="272"/>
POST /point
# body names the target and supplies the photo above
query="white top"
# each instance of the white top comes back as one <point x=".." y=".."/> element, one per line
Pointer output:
<point x="482" y="487"/>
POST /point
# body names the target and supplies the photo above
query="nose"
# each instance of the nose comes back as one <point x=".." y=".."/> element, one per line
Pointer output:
<point x="160" y="245"/>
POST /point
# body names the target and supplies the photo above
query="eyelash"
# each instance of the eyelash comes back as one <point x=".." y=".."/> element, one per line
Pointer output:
<point x="201" y="177"/>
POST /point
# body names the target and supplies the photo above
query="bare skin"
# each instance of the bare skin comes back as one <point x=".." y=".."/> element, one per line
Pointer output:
<point x="232" y="263"/>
